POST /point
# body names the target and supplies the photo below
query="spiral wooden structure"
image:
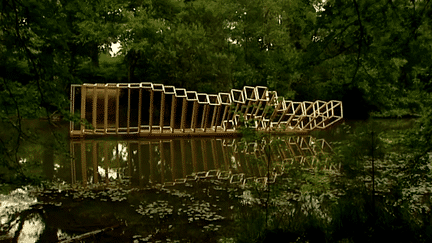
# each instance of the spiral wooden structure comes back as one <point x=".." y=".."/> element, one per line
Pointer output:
<point x="148" y="109"/>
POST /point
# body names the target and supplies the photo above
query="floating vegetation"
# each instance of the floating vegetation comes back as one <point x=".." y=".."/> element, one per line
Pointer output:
<point x="202" y="210"/>
<point x="110" y="194"/>
<point x="175" y="214"/>
<point x="159" y="209"/>
<point x="212" y="227"/>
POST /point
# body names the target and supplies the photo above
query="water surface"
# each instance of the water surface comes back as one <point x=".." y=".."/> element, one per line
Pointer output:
<point x="184" y="190"/>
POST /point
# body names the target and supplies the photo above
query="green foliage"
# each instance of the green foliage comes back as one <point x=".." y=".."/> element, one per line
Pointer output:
<point x="317" y="183"/>
<point x="346" y="208"/>
<point x="363" y="146"/>
<point x="368" y="46"/>
<point x="416" y="150"/>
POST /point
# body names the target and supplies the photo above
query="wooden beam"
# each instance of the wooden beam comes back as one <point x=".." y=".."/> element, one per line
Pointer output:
<point x="106" y="110"/>
<point x="151" y="111"/>
<point x="139" y="110"/>
<point x="94" y="109"/>
<point x="173" y="113"/>
<point x="183" y="116"/>
<point x="117" y="109"/>
<point x="162" y="112"/>
<point x="72" y="108"/>
<point x="83" y="108"/>
<point x="194" y="115"/>
<point x="128" y="110"/>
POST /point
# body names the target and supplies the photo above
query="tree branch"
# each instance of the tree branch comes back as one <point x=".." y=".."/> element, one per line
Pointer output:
<point x="330" y="40"/>
<point x="359" y="41"/>
<point x="19" y="128"/>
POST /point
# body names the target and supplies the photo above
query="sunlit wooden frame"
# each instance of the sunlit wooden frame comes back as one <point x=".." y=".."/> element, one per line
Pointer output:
<point x="151" y="109"/>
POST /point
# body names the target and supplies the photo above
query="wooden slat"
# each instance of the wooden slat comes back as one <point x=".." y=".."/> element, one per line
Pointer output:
<point x="117" y="110"/>
<point x="194" y="115"/>
<point x="183" y="116"/>
<point x="72" y="107"/>
<point x="128" y="110"/>
<point x="173" y="113"/>
<point x="139" y="110"/>
<point x="162" y="112"/>
<point x="83" y="108"/>
<point x="106" y="110"/>
<point x="151" y="111"/>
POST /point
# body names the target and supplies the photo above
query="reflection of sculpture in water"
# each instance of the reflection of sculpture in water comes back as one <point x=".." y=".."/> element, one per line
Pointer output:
<point x="176" y="161"/>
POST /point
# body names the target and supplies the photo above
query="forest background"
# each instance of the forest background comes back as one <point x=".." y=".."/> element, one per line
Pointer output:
<point x="374" y="56"/>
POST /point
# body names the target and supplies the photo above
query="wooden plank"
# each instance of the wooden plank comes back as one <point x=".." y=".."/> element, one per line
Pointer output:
<point x="251" y="99"/>
<point x="128" y="110"/>
<point x="117" y="109"/>
<point x="183" y="116"/>
<point x="162" y="112"/>
<point x="238" y="99"/>
<point x="72" y="107"/>
<point x="205" y="118"/>
<point x="151" y="111"/>
<point x="106" y="110"/>
<point x="139" y="110"/>
<point x="173" y="113"/>
<point x="94" y="109"/>
<point x="194" y="115"/>
<point x="214" y="117"/>
<point x="279" y="107"/>
<point x="83" y="107"/>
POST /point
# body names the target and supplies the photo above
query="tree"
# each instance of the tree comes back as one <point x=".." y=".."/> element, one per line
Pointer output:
<point x="368" y="53"/>
<point x="42" y="44"/>
<point x="178" y="43"/>
<point x="269" y="37"/>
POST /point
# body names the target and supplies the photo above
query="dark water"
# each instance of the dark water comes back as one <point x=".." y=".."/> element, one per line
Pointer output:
<point x="180" y="190"/>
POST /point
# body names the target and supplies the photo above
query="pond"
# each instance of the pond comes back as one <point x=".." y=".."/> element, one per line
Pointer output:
<point x="152" y="190"/>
